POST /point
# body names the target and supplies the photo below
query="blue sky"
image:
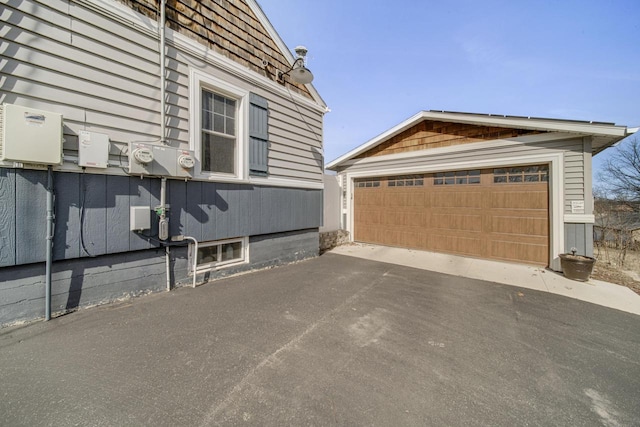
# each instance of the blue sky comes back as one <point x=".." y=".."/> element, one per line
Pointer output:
<point x="377" y="63"/>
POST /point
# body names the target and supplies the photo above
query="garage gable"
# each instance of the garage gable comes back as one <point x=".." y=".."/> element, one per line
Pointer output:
<point x="436" y="134"/>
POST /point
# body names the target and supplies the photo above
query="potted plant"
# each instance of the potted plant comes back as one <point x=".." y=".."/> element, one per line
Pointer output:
<point x="576" y="267"/>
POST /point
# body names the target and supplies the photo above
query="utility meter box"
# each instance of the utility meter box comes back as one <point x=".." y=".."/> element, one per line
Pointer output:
<point x="140" y="158"/>
<point x="93" y="149"/>
<point x="30" y="135"/>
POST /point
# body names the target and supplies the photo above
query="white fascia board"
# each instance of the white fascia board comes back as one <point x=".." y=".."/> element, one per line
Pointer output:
<point x="128" y="16"/>
<point x="377" y="140"/>
<point x="530" y="123"/>
<point x="471" y="147"/>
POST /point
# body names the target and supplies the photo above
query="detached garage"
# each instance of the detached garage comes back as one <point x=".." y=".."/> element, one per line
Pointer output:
<point x="496" y="187"/>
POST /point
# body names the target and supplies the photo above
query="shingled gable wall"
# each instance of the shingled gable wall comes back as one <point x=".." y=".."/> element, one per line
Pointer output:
<point x="229" y="28"/>
<point x="436" y="134"/>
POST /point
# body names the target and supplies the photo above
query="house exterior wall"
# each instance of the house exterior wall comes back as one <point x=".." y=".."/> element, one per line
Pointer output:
<point x="101" y="71"/>
<point x="96" y="62"/>
<point x="569" y="170"/>
<point x="85" y="282"/>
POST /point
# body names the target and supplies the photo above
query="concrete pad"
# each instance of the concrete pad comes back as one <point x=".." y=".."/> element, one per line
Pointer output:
<point x="525" y="276"/>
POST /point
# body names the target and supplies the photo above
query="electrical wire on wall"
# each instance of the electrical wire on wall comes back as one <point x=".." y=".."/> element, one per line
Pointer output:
<point x="83" y="195"/>
<point x="302" y="116"/>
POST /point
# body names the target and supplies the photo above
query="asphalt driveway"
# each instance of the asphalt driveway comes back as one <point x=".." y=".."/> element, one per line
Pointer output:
<point x="330" y="341"/>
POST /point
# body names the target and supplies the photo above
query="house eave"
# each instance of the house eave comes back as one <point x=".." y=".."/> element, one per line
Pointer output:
<point x="605" y="134"/>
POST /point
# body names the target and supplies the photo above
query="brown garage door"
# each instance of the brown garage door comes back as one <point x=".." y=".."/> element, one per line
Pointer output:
<point x="500" y="214"/>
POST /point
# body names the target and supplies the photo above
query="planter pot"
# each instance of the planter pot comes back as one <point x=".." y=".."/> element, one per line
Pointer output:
<point x="577" y="267"/>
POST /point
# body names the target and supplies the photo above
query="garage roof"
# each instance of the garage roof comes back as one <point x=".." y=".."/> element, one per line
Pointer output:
<point x="604" y="134"/>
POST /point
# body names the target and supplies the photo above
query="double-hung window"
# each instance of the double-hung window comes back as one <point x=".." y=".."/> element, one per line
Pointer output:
<point x="219" y="141"/>
<point x="219" y="134"/>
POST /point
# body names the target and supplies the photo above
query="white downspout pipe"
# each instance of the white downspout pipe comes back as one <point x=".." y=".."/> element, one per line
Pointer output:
<point x="194" y="267"/>
<point x="49" y="253"/>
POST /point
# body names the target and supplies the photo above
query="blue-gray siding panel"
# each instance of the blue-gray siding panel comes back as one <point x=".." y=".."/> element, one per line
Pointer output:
<point x="117" y="208"/>
<point x="66" y="236"/>
<point x="93" y="193"/>
<point x="89" y="281"/>
<point x="7" y="217"/>
<point x="31" y="216"/>
<point x="206" y="211"/>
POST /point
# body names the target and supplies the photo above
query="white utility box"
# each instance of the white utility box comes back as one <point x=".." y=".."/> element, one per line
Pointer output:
<point x="140" y="218"/>
<point x="93" y="149"/>
<point x="30" y="135"/>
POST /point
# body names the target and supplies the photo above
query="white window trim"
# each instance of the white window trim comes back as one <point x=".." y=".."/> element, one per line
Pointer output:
<point x="203" y="268"/>
<point x="197" y="81"/>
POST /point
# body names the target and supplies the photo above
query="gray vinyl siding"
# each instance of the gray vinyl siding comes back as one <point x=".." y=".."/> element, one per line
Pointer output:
<point x="574" y="164"/>
<point x="95" y="209"/>
<point x="574" y="174"/>
<point x="102" y="74"/>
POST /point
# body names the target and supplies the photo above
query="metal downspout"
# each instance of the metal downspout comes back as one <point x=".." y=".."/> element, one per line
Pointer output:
<point x="49" y="254"/>
<point x="163" y="133"/>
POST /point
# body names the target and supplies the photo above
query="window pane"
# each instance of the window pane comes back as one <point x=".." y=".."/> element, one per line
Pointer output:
<point x="516" y="170"/>
<point x="532" y="178"/>
<point x="218" y="153"/>
<point x="449" y="174"/>
<point x="376" y="183"/>
<point x="437" y="181"/>
<point x="231" y="108"/>
<point x="499" y="171"/>
<point x="218" y="123"/>
<point x="208" y="254"/>
<point x="230" y="126"/>
<point x="400" y="183"/>
<point x="474" y="180"/>
<point x="499" y="178"/>
<point x="408" y="183"/>
<point x="419" y="181"/>
<point x="391" y="184"/>
<point x="461" y="180"/>
<point x="449" y="181"/>
<point x="231" y="251"/>
<point x="218" y="104"/>
<point x="474" y="173"/>
<point x="515" y="178"/>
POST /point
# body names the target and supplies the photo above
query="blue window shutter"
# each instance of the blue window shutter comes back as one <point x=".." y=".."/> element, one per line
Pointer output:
<point x="258" y="136"/>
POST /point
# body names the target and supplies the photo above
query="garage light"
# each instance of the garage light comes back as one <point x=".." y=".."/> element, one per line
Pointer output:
<point x="299" y="72"/>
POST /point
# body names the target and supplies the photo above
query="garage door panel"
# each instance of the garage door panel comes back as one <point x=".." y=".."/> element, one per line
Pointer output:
<point x="464" y="245"/>
<point x="458" y="199"/>
<point x="502" y="220"/>
<point x="519" y="251"/>
<point x="530" y="200"/>
<point x="521" y="226"/>
<point x="456" y="222"/>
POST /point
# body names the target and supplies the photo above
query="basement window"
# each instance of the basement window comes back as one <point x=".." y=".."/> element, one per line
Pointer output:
<point x="219" y="254"/>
